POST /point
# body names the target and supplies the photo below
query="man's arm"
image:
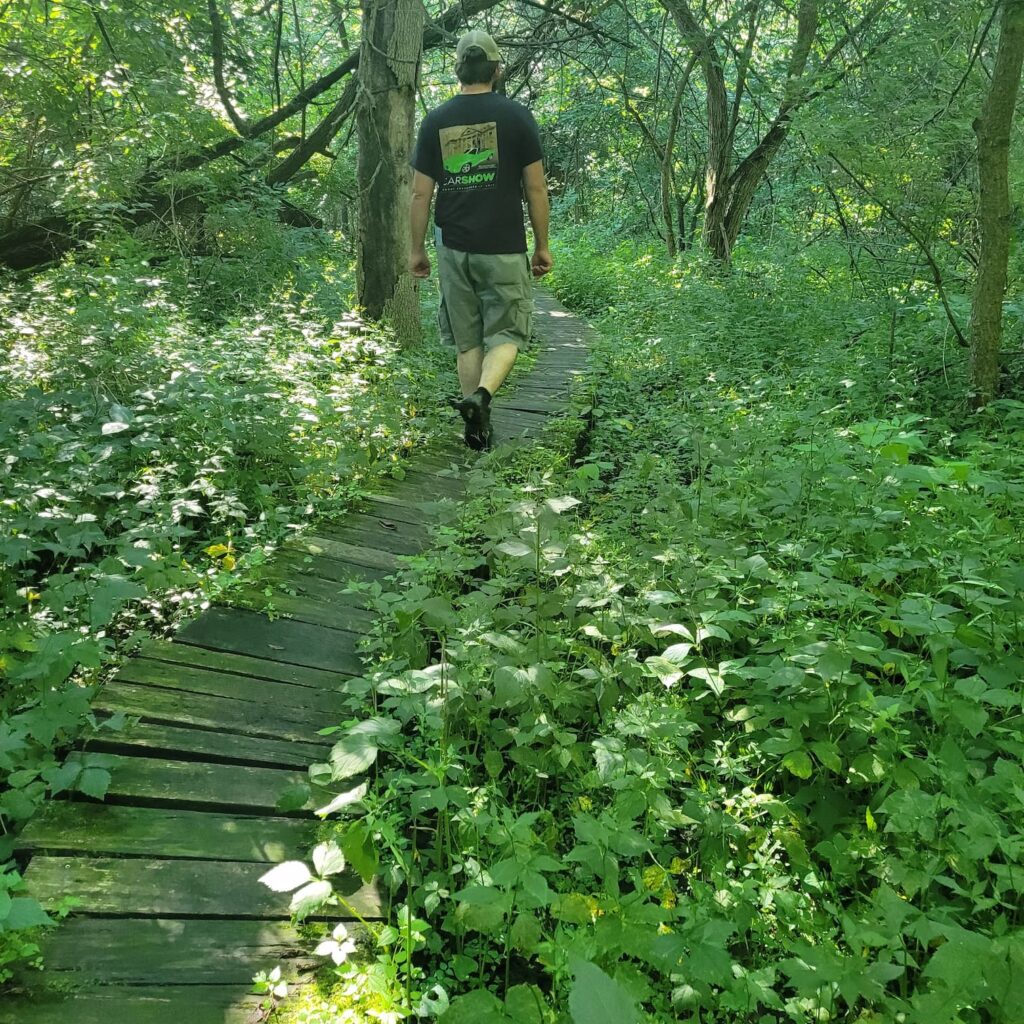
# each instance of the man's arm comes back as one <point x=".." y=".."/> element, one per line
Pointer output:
<point x="419" y="215"/>
<point x="540" y="211"/>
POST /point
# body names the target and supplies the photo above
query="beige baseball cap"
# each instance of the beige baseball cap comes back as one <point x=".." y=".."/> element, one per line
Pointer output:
<point x="477" y="38"/>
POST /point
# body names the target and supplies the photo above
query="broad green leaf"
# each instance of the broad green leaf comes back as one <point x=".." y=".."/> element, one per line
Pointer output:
<point x="294" y="798"/>
<point x="525" y="1004"/>
<point x="361" y="850"/>
<point x="94" y="782"/>
<point x="597" y="999"/>
<point x="352" y="755"/>
<point x="309" y="898"/>
<point x="476" y="1007"/>
<point x="560" y="505"/>
<point x="346" y="799"/>
<point x="25" y="912"/>
<point x="798" y="763"/>
<point x="517" y="549"/>
<point x="525" y="933"/>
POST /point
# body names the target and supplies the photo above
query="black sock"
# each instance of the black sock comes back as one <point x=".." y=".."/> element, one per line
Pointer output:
<point x="484" y="394"/>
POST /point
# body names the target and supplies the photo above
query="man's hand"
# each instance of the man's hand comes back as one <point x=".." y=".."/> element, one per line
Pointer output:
<point x="419" y="263"/>
<point x="541" y="262"/>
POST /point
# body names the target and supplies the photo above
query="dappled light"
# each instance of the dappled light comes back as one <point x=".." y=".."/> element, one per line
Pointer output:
<point x="511" y="513"/>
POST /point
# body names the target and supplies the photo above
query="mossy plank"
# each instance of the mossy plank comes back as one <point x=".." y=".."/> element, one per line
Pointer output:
<point x="374" y="558"/>
<point x="427" y="486"/>
<point x="230" y="787"/>
<point x="144" y="887"/>
<point x="180" y="743"/>
<point x="202" y="712"/>
<point x="66" y="827"/>
<point x="377" y="538"/>
<point x="174" y="951"/>
<point x="284" y="640"/>
<point x="382" y="502"/>
<point x="116" y="1004"/>
<point x="291" y="560"/>
<point x="417" y="531"/>
<point x="273" y="693"/>
<point x="301" y="584"/>
<point x="527" y="403"/>
<point x="293" y="563"/>
<point x="305" y="608"/>
<point x="239" y="664"/>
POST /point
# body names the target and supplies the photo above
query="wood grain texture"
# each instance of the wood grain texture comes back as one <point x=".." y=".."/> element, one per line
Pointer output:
<point x="142" y="887"/>
<point x="219" y="714"/>
<point x="64" y="827"/>
<point x="283" y="640"/>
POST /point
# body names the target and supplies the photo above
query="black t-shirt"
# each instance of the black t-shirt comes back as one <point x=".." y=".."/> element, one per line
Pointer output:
<point x="475" y="147"/>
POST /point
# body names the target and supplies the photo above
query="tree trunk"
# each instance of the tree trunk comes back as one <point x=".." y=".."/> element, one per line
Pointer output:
<point x="392" y="36"/>
<point x="728" y="192"/>
<point x="993" y="131"/>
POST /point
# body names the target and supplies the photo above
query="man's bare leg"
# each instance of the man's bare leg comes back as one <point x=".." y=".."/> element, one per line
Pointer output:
<point x="489" y="371"/>
<point x="480" y="376"/>
<point x="496" y="366"/>
<point x="471" y="366"/>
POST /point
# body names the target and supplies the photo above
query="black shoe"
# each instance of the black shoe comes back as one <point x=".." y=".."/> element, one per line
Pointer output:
<point x="475" y="410"/>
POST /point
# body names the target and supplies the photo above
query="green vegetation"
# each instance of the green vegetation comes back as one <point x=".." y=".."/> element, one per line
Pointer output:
<point x="721" y="721"/>
<point x="152" y="447"/>
<point x="706" y="709"/>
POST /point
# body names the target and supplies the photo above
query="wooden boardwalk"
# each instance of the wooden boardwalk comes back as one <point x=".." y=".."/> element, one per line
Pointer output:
<point x="172" y="921"/>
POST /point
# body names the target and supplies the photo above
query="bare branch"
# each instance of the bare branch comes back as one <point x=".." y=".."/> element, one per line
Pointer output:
<point x="217" y="42"/>
<point x="919" y="241"/>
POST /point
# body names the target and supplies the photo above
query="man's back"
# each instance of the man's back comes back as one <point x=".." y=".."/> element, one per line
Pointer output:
<point x="475" y="147"/>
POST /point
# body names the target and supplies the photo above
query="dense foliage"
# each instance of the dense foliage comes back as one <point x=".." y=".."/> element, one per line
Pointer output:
<point x="707" y="710"/>
<point x="720" y="720"/>
<point x="150" y="444"/>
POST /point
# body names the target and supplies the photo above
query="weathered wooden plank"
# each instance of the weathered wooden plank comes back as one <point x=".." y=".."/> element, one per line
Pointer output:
<point x="239" y="664"/>
<point x="179" y="743"/>
<point x="63" y="827"/>
<point x="175" y="951"/>
<point x="270" y="693"/>
<point x="303" y="606"/>
<point x="344" y="568"/>
<point x="433" y="485"/>
<point x="508" y="423"/>
<point x="283" y="640"/>
<point x="300" y="583"/>
<point x="145" y="887"/>
<point x="201" y="712"/>
<point x="526" y="403"/>
<point x="312" y="544"/>
<point x="288" y="561"/>
<point x="385" y="503"/>
<point x="199" y="784"/>
<point x="393" y="541"/>
<point x="116" y="1004"/>
<point x="376" y="520"/>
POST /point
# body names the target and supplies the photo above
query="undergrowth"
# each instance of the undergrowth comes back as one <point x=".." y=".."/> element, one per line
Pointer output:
<point x="161" y="422"/>
<point x="721" y="723"/>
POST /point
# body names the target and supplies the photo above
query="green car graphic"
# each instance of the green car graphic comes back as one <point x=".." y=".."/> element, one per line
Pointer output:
<point x="459" y="163"/>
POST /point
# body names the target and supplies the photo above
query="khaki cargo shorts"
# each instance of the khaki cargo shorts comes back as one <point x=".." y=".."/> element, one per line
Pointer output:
<point x="485" y="299"/>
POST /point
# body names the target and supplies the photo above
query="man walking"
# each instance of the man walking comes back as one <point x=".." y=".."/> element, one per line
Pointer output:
<point x="481" y="150"/>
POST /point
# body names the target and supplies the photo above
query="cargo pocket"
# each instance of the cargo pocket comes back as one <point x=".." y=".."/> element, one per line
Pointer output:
<point x="444" y="324"/>
<point x="524" y="321"/>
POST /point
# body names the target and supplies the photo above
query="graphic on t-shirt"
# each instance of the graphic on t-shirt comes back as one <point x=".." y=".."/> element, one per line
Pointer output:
<point x="469" y="153"/>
